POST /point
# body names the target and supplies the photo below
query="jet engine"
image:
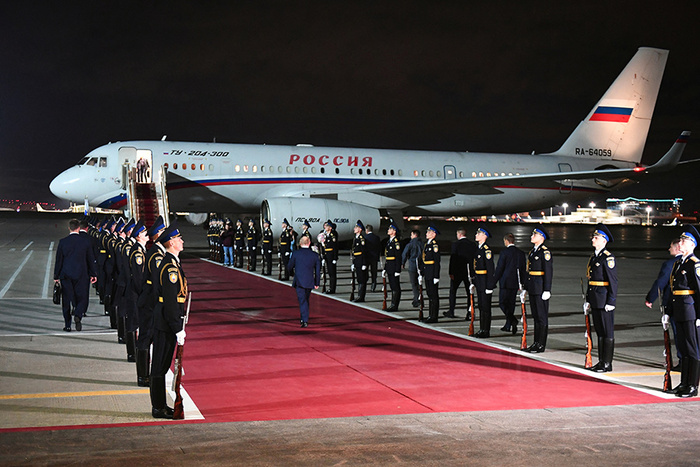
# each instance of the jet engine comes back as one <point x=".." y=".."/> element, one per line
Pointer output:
<point x="317" y="211"/>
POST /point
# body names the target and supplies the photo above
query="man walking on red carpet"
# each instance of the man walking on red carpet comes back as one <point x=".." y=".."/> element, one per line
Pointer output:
<point x="306" y="265"/>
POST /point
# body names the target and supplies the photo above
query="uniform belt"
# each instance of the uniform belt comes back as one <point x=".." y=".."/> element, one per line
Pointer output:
<point x="179" y="299"/>
<point x="329" y="249"/>
<point x="391" y="258"/>
<point x="537" y="273"/>
<point x="103" y="251"/>
<point x="266" y="241"/>
<point x="358" y="253"/>
<point x="428" y="262"/>
<point x="481" y="271"/>
<point x="683" y="292"/>
<point x="599" y="283"/>
<point x="148" y="281"/>
<point x="283" y="243"/>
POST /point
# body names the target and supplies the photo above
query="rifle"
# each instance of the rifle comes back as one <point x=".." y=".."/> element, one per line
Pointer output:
<point x="667" y="350"/>
<point x="248" y="258"/>
<point x="589" y="342"/>
<point x="178" y="412"/>
<point x="352" y="286"/>
<point x="279" y="257"/>
<point x="523" y="341"/>
<point x="384" y="289"/>
<point x="325" y="275"/>
<point x="421" y="300"/>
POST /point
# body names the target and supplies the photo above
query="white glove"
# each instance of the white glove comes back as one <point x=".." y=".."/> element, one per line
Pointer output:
<point x="383" y="273"/>
<point x="420" y="279"/>
<point x="665" y="321"/>
<point x="181" y="337"/>
<point x="435" y="281"/>
<point x="586" y="308"/>
<point x="323" y="262"/>
<point x="609" y="307"/>
<point x="364" y="267"/>
<point x="472" y="289"/>
<point x="397" y="274"/>
<point x="488" y="291"/>
<point x="522" y="296"/>
<point x="352" y="267"/>
<point x="335" y="262"/>
<point x="697" y="323"/>
<point x="546" y="295"/>
<point x="279" y="254"/>
<point x="286" y="253"/>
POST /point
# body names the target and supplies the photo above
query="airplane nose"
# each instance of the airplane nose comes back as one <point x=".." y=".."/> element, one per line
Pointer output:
<point x="61" y="185"/>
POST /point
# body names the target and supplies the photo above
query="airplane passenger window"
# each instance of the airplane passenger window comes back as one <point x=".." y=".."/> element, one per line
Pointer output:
<point x="360" y="171"/>
<point x="91" y="162"/>
<point x="510" y="174"/>
<point x="165" y="166"/>
<point x="245" y="168"/>
<point x="296" y="169"/>
<point x="262" y="168"/>
<point x="175" y="165"/>
<point x="461" y="174"/>
<point x="431" y="173"/>
<point x="488" y="174"/>
<point x="83" y="160"/>
<point x="313" y="170"/>
<point x="481" y="174"/>
<point x="337" y="170"/>
<point x="194" y="167"/>
<point x="400" y="172"/>
<point x="211" y="167"/>
<point x="201" y="167"/>
<point x="237" y="168"/>
<point x="255" y="169"/>
<point x="352" y="171"/>
<point x="383" y="171"/>
<point x="306" y="169"/>
<point x="289" y="170"/>
<point x="439" y="173"/>
<point x="422" y="173"/>
<point x="279" y="168"/>
<point x="473" y="174"/>
<point x="103" y="162"/>
<point x="392" y="171"/>
<point x="323" y="170"/>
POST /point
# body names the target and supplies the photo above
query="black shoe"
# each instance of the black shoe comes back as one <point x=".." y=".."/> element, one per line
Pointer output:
<point x="514" y="328"/>
<point x="505" y="328"/>
<point x="482" y="333"/>
<point x="690" y="391"/>
<point x="78" y="324"/>
<point x="469" y="316"/>
<point x="415" y="304"/>
<point x="67" y="329"/>
<point x="143" y="382"/>
<point x="304" y="324"/>
<point x="539" y="348"/>
<point x="358" y="300"/>
<point x="162" y="413"/>
<point x="602" y="367"/>
<point x="392" y="309"/>
<point x="447" y="314"/>
<point x="131" y="358"/>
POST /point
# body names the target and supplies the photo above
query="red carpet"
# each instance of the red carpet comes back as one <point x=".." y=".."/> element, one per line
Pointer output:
<point x="246" y="358"/>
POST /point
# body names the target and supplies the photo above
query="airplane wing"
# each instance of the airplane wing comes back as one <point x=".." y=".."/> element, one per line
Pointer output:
<point x="429" y="192"/>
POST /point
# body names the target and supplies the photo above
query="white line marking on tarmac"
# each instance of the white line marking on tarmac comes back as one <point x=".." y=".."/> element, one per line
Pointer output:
<point x="28" y="245"/>
<point x="45" y="293"/>
<point x="188" y="405"/>
<point x="14" y="276"/>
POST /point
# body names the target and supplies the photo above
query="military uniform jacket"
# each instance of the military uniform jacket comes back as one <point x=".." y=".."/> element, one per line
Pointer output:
<point x="170" y="311"/>
<point x="330" y="246"/>
<point x="137" y="265"/>
<point x="602" y="279"/>
<point x="285" y="241"/>
<point x="239" y="239"/>
<point x="430" y="261"/>
<point x="252" y="238"/>
<point x="484" y="278"/>
<point x="359" y="251"/>
<point x="124" y="252"/>
<point x="267" y="240"/>
<point x="392" y="255"/>
<point x="154" y="257"/>
<point x="685" y="289"/>
<point x="539" y="270"/>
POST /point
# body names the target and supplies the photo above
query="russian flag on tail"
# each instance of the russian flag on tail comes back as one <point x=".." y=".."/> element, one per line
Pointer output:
<point x="611" y="114"/>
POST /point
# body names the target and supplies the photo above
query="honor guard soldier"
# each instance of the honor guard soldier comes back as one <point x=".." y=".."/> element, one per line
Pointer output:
<point x="392" y="266"/>
<point x="601" y="296"/>
<point x="101" y="259"/>
<point x="110" y="271"/>
<point x="210" y="238"/>
<point x="539" y="287"/>
<point x="305" y="232"/>
<point x="685" y="310"/>
<point x="169" y="316"/>
<point x="359" y="260"/>
<point x="123" y="278"/>
<point x="267" y="248"/>
<point x="137" y="267"/>
<point x="484" y="280"/>
<point x="330" y="255"/>
<point x="285" y="249"/>
<point x="430" y="270"/>
<point x="239" y="244"/>
<point x="147" y="302"/>
<point x="252" y="243"/>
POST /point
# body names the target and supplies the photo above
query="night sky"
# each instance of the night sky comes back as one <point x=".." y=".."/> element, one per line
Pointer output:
<point x="496" y="76"/>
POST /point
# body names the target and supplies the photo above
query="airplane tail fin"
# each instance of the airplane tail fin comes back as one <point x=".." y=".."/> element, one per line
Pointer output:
<point x="617" y="126"/>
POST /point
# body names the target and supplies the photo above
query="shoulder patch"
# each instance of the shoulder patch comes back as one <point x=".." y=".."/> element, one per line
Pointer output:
<point x="488" y="254"/>
<point x="139" y="259"/>
<point x="547" y="255"/>
<point x="435" y="247"/>
<point x="611" y="262"/>
<point x="172" y="275"/>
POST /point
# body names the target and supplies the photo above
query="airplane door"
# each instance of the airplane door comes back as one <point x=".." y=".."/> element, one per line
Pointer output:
<point x="568" y="186"/>
<point x="144" y="165"/>
<point x="125" y="155"/>
<point x="450" y="172"/>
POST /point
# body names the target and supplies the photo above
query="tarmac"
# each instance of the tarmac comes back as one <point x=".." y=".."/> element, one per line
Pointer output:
<point x="71" y="398"/>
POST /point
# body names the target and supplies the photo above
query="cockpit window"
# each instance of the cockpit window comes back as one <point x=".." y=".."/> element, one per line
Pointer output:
<point x="103" y="162"/>
<point x="83" y="160"/>
<point x="92" y="161"/>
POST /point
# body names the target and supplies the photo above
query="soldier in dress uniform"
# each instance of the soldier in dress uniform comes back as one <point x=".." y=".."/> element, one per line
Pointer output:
<point x="392" y="266"/>
<point x="539" y="287"/>
<point x="267" y="240"/>
<point x="239" y="244"/>
<point x="330" y="255"/>
<point x="102" y="239"/>
<point x="685" y="310"/>
<point x="137" y="263"/>
<point x="123" y="250"/>
<point x="285" y="248"/>
<point x="252" y="243"/>
<point x="305" y="232"/>
<point x="110" y="268"/>
<point x="147" y="302"/>
<point x="359" y="260"/>
<point x="169" y="316"/>
<point x="601" y="296"/>
<point x="483" y="281"/>
<point x="430" y="270"/>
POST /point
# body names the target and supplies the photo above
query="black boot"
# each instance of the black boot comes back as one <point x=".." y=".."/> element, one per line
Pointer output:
<point x="599" y="365"/>
<point x="683" y="385"/>
<point x="143" y="367"/>
<point x="605" y="363"/>
<point x="130" y="338"/>
<point x="361" y="293"/>
<point x="691" y="390"/>
<point x="158" y="407"/>
<point x="392" y="307"/>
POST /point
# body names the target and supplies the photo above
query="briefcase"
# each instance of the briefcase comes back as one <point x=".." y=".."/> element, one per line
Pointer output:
<point x="57" y="293"/>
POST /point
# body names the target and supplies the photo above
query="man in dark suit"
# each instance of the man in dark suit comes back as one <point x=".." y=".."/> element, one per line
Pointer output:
<point x="463" y="251"/>
<point x="510" y="272"/>
<point x="374" y="251"/>
<point x="307" y="275"/>
<point x="75" y="268"/>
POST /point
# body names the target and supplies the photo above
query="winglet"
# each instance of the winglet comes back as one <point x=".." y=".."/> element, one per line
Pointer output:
<point x="671" y="158"/>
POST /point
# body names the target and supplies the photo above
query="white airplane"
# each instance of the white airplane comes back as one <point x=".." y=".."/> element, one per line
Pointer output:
<point x="345" y="184"/>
